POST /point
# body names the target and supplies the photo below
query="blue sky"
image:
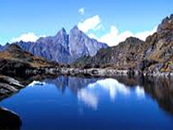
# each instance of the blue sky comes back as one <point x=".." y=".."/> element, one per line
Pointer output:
<point x="46" y="17"/>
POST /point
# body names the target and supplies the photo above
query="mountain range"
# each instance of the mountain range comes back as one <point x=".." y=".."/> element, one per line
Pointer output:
<point x="63" y="47"/>
<point x="153" y="55"/>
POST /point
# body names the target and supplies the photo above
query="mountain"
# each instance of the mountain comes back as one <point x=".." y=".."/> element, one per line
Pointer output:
<point x="154" y="55"/>
<point x="15" y="61"/>
<point x="63" y="48"/>
<point x="80" y="44"/>
<point x="159" y="48"/>
<point x="123" y="56"/>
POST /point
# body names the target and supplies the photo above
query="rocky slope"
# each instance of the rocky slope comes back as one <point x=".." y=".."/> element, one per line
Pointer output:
<point x="15" y="61"/>
<point x="63" y="48"/>
<point x="159" y="48"/>
<point x="123" y="56"/>
<point x="8" y="86"/>
<point x="153" y="56"/>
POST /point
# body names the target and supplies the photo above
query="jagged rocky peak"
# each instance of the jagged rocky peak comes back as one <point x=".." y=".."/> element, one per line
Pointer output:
<point x="61" y="38"/>
<point x="75" y="32"/>
<point x="166" y="24"/>
<point x="80" y="44"/>
<point x="77" y="42"/>
<point x="62" y="32"/>
<point x="75" y="28"/>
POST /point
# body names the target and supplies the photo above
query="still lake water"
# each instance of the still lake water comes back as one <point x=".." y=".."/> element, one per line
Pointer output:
<point x="73" y="103"/>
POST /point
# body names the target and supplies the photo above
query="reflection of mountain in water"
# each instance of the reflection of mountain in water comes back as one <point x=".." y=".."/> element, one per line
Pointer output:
<point x="9" y="120"/>
<point x="159" y="89"/>
<point x="162" y="91"/>
<point x="74" y="83"/>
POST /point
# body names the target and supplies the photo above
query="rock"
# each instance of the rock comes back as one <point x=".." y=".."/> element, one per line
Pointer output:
<point x="8" y="86"/>
<point x="9" y="120"/>
<point x="167" y="24"/>
<point x="159" y="48"/>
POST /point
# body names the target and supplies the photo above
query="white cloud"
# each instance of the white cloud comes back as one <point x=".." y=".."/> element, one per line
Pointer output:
<point x="27" y="37"/>
<point x="92" y="23"/>
<point x="145" y="34"/>
<point x="81" y="11"/>
<point x="113" y="37"/>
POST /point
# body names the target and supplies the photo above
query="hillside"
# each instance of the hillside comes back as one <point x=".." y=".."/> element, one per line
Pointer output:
<point x="14" y="60"/>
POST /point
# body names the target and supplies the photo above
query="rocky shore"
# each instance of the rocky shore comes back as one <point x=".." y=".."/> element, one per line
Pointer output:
<point x="8" y="86"/>
<point x="95" y="72"/>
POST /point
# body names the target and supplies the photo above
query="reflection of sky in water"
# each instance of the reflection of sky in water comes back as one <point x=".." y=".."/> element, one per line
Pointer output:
<point x="140" y="92"/>
<point x="90" y="95"/>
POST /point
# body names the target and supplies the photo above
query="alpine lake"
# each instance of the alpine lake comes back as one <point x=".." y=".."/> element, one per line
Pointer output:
<point x="83" y="103"/>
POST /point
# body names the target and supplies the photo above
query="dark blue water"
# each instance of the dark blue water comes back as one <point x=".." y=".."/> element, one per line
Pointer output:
<point x="93" y="104"/>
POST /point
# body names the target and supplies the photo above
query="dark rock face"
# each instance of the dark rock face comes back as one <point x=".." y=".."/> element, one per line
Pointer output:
<point x="13" y="68"/>
<point x="63" y="48"/>
<point x="9" y="120"/>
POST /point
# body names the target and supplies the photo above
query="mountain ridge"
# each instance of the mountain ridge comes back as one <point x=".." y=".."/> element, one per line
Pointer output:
<point x="63" y="47"/>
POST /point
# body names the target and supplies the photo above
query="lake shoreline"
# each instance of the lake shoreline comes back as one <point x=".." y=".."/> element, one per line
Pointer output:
<point x="96" y="72"/>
